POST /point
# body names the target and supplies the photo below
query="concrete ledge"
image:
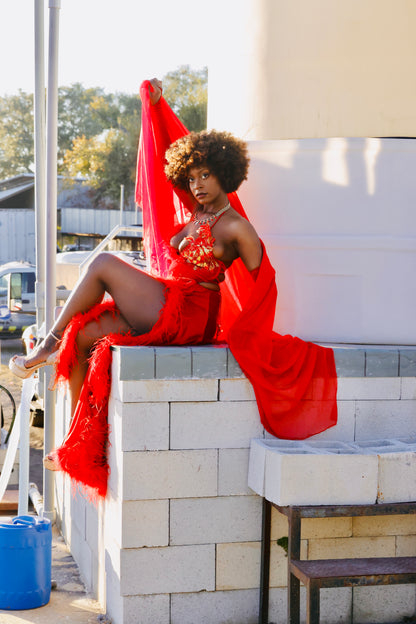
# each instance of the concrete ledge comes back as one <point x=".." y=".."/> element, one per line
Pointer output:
<point x="217" y="361"/>
<point x="333" y="473"/>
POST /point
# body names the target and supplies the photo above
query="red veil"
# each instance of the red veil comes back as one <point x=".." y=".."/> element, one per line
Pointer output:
<point x="294" y="381"/>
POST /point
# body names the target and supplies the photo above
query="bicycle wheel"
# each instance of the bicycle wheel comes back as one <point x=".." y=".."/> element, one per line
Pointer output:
<point x="7" y="410"/>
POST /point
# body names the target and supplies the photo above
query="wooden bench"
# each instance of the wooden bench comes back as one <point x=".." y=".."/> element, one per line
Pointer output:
<point x="328" y="572"/>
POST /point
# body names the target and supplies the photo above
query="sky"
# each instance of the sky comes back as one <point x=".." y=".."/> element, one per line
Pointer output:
<point x="113" y="44"/>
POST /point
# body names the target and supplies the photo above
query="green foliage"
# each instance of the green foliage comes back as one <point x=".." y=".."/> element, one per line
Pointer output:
<point x="107" y="157"/>
<point x="283" y="542"/>
<point x="16" y="135"/>
<point x="186" y="91"/>
<point x="98" y="133"/>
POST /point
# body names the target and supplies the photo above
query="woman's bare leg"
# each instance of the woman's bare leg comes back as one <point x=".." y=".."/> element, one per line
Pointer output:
<point x="138" y="296"/>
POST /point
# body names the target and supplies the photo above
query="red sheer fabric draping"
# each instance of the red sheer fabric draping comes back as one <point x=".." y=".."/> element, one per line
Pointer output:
<point x="294" y="381"/>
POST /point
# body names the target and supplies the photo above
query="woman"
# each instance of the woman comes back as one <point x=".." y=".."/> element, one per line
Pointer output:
<point x="190" y="246"/>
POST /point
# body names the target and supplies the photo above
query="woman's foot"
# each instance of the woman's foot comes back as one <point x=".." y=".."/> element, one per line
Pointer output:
<point x="45" y="353"/>
<point x="50" y="462"/>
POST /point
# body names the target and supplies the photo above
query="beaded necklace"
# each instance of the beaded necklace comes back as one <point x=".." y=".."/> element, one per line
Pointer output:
<point x="210" y="218"/>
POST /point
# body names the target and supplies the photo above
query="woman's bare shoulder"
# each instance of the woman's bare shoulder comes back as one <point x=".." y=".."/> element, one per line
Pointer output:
<point x="245" y="240"/>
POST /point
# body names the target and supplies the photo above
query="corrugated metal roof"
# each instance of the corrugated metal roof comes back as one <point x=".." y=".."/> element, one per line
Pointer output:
<point x="11" y="192"/>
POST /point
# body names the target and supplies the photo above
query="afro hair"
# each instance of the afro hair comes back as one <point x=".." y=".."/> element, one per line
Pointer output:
<point x="222" y="153"/>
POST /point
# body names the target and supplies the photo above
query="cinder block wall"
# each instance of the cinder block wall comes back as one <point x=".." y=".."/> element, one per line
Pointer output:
<point x="177" y="540"/>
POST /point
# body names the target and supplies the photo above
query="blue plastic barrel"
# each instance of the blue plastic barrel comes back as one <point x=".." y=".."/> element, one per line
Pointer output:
<point x="25" y="563"/>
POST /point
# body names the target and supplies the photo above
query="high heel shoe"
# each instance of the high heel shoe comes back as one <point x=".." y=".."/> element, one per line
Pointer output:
<point x="17" y="365"/>
<point x="50" y="462"/>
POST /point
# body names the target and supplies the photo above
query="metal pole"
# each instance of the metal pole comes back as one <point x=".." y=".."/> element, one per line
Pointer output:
<point x="51" y="224"/>
<point x="40" y="160"/>
<point x="121" y="203"/>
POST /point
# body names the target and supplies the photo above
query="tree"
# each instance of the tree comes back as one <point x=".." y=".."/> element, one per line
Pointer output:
<point x="16" y="135"/>
<point x="77" y="115"/>
<point x="186" y="91"/>
<point x="108" y="158"/>
<point x="98" y="133"/>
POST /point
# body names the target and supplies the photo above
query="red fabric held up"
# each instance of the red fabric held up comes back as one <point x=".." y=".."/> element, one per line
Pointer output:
<point x="294" y="381"/>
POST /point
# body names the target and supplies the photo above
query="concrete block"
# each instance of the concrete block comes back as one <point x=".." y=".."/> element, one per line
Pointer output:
<point x="406" y="545"/>
<point x="233" y="367"/>
<point x="320" y="472"/>
<point x="389" y="603"/>
<point x="159" y="390"/>
<point x="351" y="547"/>
<point x="381" y="363"/>
<point x="379" y="447"/>
<point x="167" y="570"/>
<point x="236" y="390"/>
<point x="238" y="566"/>
<point x="142" y="426"/>
<point x="336" y="605"/>
<point x="215" y="520"/>
<point x="209" y="361"/>
<point x="320" y="479"/>
<point x="130" y="363"/>
<point x="408" y="391"/>
<point x="233" y="472"/>
<point x="150" y="609"/>
<point x="144" y="523"/>
<point x="407" y="362"/>
<point x="349" y="362"/>
<point x="365" y="388"/>
<point x="345" y="428"/>
<point x="384" y="525"/>
<point x="397" y="477"/>
<point x="279" y="525"/>
<point x="384" y="419"/>
<point x="147" y="609"/>
<point x="257" y="459"/>
<point x="94" y="529"/>
<point x="78" y="512"/>
<point x="233" y="607"/>
<point x="173" y="362"/>
<point x="170" y="474"/>
<point x="319" y="528"/>
<point x="82" y="555"/>
<point x="214" y="425"/>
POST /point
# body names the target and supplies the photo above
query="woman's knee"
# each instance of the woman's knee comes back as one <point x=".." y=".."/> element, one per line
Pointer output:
<point x="101" y="262"/>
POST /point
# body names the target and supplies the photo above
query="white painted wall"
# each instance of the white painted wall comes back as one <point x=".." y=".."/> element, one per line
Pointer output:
<point x="338" y="220"/>
<point x="313" y="68"/>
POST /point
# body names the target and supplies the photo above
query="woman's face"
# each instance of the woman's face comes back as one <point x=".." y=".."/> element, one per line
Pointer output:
<point x="204" y="185"/>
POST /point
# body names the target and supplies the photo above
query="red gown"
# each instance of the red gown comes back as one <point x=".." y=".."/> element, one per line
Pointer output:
<point x="294" y="381"/>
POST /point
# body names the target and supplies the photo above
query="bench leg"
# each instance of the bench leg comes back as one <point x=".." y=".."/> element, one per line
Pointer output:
<point x="312" y="602"/>
<point x="293" y="600"/>
<point x="265" y="563"/>
<point x="293" y="583"/>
